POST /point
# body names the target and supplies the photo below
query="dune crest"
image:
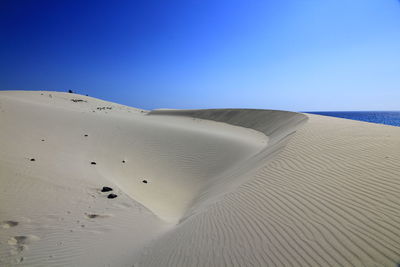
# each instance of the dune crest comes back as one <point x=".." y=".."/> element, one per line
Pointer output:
<point x="277" y="126"/>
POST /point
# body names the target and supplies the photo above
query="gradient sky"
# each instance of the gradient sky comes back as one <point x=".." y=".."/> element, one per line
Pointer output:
<point x="299" y="55"/>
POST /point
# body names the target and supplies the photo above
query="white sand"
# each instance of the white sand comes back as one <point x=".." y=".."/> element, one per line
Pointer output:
<point x="224" y="187"/>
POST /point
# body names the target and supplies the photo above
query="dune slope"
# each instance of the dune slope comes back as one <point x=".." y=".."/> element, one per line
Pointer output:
<point x="330" y="198"/>
<point x="193" y="187"/>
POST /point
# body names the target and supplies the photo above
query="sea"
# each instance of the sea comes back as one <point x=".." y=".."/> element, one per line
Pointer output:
<point x="381" y="117"/>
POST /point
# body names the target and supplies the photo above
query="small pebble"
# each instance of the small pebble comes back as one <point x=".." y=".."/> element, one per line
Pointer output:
<point x="32" y="159"/>
<point x="144" y="181"/>
<point x="93" y="163"/>
<point x="112" y="196"/>
<point x="106" y="189"/>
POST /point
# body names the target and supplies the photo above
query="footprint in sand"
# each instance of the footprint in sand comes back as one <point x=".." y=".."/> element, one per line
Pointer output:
<point x="8" y="224"/>
<point x="21" y="242"/>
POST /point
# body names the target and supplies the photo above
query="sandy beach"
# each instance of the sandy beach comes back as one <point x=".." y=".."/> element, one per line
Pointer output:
<point x="86" y="182"/>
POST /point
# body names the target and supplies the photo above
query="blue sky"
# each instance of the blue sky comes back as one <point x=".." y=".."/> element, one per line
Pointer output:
<point x="295" y="55"/>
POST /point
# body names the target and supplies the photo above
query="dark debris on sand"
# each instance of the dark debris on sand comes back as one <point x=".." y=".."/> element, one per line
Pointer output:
<point x="106" y="189"/>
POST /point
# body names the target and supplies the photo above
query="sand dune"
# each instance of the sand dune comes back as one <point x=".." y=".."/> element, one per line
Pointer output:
<point x="194" y="187"/>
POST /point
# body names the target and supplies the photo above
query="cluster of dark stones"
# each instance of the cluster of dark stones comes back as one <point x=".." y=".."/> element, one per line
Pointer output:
<point x="103" y="108"/>
<point x="78" y="100"/>
<point x="108" y="189"/>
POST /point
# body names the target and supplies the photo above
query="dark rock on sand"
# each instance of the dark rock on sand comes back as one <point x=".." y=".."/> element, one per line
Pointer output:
<point x="106" y="189"/>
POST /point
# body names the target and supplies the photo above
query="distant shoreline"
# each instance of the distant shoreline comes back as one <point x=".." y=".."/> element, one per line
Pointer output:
<point x="381" y="117"/>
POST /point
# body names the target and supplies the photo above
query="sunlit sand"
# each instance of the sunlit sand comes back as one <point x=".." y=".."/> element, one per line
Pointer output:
<point x="86" y="182"/>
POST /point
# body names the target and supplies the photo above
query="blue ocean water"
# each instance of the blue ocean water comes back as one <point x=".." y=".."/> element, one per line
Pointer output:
<point x="382" y="117"/>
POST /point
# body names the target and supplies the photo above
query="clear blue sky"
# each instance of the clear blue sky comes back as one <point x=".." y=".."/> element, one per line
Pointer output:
<point x="299" y="55"/>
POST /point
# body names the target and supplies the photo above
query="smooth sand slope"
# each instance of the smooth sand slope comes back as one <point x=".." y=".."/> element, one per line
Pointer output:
<point x="194" y="188"/>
